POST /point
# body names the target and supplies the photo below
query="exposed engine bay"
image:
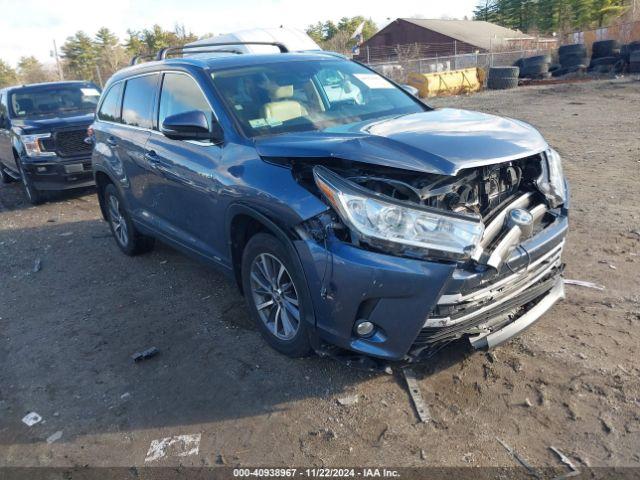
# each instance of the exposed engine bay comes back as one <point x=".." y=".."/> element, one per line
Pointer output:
<point x="476" y="192"/>
<point x="490" y="194"/>
<point x="480" y="191"/>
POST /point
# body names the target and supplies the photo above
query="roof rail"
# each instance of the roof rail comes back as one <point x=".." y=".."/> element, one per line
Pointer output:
<point x="162" y="54"/>
<point x="135" y="58"/>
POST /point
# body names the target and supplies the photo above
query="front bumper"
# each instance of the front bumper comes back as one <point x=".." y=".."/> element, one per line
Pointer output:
<point x="401" y="296"/>
<point x="55" y="173"/>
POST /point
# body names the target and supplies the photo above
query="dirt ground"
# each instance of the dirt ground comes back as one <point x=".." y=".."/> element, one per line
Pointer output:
<point x="67" y="333"/>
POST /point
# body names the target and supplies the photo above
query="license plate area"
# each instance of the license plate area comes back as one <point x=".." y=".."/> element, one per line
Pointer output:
<point x="74" y="168"/>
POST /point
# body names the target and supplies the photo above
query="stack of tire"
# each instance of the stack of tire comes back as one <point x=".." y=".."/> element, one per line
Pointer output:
<point x="502" y="78"/>
<point x="634" y="62"/>
<point x="630" y="54"/>
<point x="534" y="67"/>
<point x="573" y="58"/>
<point x="605" y="57"/>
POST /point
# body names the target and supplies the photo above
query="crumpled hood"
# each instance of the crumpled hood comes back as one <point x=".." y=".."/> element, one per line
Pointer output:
<point x="441" y="141"/>
<point x="47" y="124"/>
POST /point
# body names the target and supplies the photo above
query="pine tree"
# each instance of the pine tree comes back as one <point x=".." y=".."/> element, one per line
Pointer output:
<point x="8" y="75"/>
<point x="110" y="54"/>
<point x="80" y="57"/>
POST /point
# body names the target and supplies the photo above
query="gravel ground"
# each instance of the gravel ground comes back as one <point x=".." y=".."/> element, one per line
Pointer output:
<point x="67" y="333"/>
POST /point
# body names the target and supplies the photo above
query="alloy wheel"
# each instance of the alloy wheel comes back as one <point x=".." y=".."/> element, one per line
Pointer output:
<point x="275" y="296"/>
<point x="117" y="221"/>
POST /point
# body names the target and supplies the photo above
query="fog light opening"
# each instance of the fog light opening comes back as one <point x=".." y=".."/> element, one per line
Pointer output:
<point x="365" y="328"/>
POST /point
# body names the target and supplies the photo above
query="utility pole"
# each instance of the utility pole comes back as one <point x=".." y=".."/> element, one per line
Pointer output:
<point x="55" y="54"/>
<point x="99" y="76"/>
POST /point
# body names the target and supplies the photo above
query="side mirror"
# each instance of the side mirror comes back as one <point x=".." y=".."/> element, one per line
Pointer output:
<point x="192" y="125"/>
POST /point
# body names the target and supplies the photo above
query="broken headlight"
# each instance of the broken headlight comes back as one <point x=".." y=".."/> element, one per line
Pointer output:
<point x="379" y="218"/>
<point x="553" y="186"/>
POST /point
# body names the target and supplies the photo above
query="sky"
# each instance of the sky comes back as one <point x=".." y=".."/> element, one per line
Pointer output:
<point x="28" y="27"/>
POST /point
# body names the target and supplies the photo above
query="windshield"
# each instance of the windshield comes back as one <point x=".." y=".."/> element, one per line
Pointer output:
<point x="306" y="96"/>
<point x="53" y="101"/>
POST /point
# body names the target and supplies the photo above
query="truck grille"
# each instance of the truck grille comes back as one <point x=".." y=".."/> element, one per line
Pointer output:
<point x="70" y="143"/>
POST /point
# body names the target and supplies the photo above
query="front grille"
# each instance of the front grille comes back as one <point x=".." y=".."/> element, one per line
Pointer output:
<point x="70" y="143"/>
<point x="492" y="305"/>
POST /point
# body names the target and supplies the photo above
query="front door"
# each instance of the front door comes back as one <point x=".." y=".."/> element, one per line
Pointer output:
<point x="186" y="196"/>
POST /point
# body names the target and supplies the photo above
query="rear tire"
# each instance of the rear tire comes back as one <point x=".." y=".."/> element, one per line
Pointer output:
<point x="128" y="239"/>
<point x="277" y="295"/>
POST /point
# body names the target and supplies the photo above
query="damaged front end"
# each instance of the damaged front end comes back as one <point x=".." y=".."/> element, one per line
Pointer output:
<point x="499" y="227"/>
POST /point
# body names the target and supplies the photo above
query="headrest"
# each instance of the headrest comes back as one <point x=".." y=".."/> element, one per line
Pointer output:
<point x="25" y="104"/>
<point x="285" y="91"/>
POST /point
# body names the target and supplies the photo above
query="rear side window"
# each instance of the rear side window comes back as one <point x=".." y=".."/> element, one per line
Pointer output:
<point x="110" y="108"/>
<point x="180" y="93"/>
<point x="137" y="105"/>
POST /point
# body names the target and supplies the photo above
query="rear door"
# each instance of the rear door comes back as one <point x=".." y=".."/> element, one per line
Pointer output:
<point x="186" y="188"/>
<point x="138" y="106"/>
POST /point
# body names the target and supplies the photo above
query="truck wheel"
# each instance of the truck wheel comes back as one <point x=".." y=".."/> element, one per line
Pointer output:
<point x="35" y="196"/>
<point x="127" y="237"/>
<point x="277" y="295"/>
<point x="6" y="178"/>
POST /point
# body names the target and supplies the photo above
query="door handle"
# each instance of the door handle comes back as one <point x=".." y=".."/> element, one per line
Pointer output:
<point x="151" y="156"/>
<point x="112" y="141"/>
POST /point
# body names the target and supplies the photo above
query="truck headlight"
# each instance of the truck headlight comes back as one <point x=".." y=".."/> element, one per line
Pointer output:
<point x="553" y="186"/>
<point x="381" y="219"/>
<point x="33" y="146"/>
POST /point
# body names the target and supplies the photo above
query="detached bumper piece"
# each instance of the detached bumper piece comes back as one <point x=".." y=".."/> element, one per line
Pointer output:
<point x="494" y="313"/>
<point x="487" y="341"/>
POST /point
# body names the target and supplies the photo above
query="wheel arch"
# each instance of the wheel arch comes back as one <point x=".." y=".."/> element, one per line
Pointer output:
<point x="243" y="222"/>
<point x="102" y="179"/>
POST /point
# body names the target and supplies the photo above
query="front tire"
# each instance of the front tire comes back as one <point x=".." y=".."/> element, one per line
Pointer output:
<point x="4" y="176"/>
<point x="276" y="295"/>
<point x="35" y="196"/>
<point x="128" y="239"/>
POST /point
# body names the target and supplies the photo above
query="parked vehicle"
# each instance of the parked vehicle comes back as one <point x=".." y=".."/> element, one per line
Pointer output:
<point x="373" y="223"/>
<point x="42" y="132"/>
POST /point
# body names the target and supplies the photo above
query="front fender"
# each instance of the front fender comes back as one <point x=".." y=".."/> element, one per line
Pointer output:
<point x="286" y="236"/>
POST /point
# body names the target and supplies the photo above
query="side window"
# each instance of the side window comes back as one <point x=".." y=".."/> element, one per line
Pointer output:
<point x="137" y="104"/>
<point x="180" y="93"/>
<point x="110" y="108"/>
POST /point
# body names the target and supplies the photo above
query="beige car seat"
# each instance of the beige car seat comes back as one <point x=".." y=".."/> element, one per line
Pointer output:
<point x="282" y="107"/>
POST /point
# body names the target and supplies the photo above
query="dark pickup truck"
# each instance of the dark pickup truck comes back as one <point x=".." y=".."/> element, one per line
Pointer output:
<point x="42" y="136"/>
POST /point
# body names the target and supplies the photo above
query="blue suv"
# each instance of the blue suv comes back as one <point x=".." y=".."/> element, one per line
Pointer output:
<point x="350" y="214"/>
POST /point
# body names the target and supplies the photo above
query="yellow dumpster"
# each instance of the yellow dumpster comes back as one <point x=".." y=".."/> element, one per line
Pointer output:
<point x="452" y="82"/>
